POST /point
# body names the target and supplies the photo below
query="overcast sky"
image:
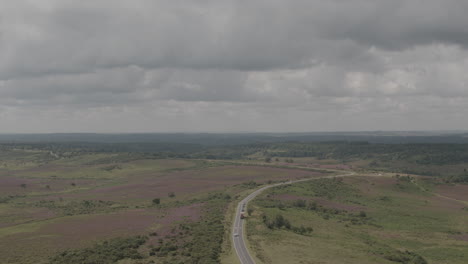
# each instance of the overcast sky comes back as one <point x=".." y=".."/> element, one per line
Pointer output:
<point x="233" y="65"/>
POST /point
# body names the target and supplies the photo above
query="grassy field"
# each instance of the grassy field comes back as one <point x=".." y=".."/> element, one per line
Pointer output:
<point x="59" y="208"/>
<point x="131" y="208"/>
<point x="361" y="220"/>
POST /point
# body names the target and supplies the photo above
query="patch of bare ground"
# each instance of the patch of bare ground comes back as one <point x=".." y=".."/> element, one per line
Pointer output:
<point x="16" y="216"/>
<point x="462" y="237"/>
<point x="445" y="204"/>
<point x="458" y="192"/>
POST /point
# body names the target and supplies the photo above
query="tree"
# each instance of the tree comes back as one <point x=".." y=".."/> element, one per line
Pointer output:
<point x="279" y="221"/>
<point x="268" y="159"/>
<point x="156" y="201"/>
<point x="171" y="194"/>
<point x="73" y="184"/>
<point x="23" y="185"/>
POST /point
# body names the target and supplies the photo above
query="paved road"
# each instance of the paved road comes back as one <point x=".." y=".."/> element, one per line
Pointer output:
<point x="238" y="227"/>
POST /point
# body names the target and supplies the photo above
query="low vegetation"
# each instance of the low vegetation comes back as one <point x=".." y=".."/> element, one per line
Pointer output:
<point x="194" y="242"/>
<point x="177" y="195"/>
<point x="396" y="222"/>
<point x="78" y="207"/>
<point x="106" y="252"/>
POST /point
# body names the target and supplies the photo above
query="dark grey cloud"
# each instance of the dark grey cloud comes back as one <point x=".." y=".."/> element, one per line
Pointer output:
<point x="232" y="65"/>
<point x="396" y="25"/>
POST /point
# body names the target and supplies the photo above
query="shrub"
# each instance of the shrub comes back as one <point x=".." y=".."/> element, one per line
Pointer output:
<point x="405" y="257"/>
<point x="300" y="203"/>
<point x="279" y="221"/>
<point x="250" y="211"/>
<point x="156" y="201"/>
<point x="312" y="205"/>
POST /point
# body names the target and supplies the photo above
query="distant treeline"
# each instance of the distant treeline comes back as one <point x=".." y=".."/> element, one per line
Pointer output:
<point x="434" y="154"/>
<point x="220" y="139"/>
<point x="422" y="154"/>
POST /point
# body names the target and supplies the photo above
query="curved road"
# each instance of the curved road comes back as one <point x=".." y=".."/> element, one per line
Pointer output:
<point x="238" y="227"/>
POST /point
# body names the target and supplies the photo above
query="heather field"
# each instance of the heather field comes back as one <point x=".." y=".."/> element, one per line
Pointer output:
<point x="75" y="205"/>
<point x="52" y="207"/>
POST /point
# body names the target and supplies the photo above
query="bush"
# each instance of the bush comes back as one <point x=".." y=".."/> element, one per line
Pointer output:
<point x="300" y="203"/>
<point x="250" y="211"/>
<point x="107" y="252"/>
<point x="405" y="257"/>
<point x="312" y="205"/>
<point x="280" y="222"/>
<point x="250" y="184"/>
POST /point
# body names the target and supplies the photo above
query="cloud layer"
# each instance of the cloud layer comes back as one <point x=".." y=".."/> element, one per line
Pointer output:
<point x="225" y="65"/>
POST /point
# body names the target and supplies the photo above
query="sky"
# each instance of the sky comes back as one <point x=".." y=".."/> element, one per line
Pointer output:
<point x="233" y="65"/>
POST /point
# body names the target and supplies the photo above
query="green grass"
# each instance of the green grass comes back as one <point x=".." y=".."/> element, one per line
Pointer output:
<point x="402" y="225"/>
<point x="22" y="228"/>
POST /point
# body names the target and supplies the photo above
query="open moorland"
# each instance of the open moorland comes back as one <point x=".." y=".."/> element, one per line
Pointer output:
<point x="81" y="202"/>
<point x="50" y="204"/>
<point x="381" y="218"/>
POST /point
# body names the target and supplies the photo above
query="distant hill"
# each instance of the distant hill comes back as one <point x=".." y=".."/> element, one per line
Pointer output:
<point x="395" y="137"/>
